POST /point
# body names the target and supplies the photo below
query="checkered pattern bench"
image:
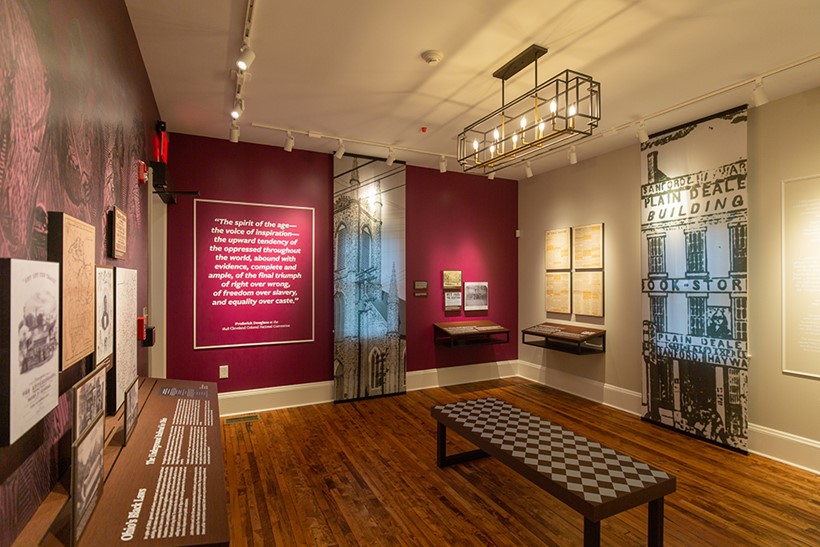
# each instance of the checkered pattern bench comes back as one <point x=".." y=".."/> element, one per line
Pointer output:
<point x="596" y="481"/>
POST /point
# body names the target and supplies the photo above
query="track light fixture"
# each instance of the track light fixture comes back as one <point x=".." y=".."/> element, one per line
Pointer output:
<point x="246" y="57"/>
<point x="643" y="136"/>
<point x="442" y="165"/>
<point x="528" y="169"/>
<point x="573" y="156"/>
<point x="391" y="157"/>
<point x="341" y="150"/>
<point x="759" y="97"/>
<point x="238" y="108"/>
<point x="234" y="133"/>
<point x="289" y="142"/>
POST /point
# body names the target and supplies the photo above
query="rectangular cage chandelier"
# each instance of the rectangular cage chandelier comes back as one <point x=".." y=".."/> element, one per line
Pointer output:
<point x="564" y="109"/>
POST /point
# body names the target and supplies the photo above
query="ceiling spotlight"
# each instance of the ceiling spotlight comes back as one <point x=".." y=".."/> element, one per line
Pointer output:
<point x="289" y="142"/>
<point x="643" y="136"/>
<point x="759" y="94"/>
<point x="341" y="150"/>
<point x="234" y="134"/>
<point x="238" y="108"/>
<point x="528" y="169"/>
<point x="391" y="157"/>
<point x="246" y="57"/>
<point x="442" y="165"/>
<point x="491" y="176"/>
<point x="573" y="156"/>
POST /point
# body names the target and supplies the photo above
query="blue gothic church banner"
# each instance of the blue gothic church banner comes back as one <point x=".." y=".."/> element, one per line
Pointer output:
<point x="368" y="278"/>
<point x="694" y="279"/>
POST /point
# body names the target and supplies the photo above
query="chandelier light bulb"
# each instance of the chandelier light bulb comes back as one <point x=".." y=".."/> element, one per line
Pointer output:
<point x="553" y="107"/>
<point x="475" y="145"/>
<point x="496" y="136"/>
<point x="572" y="110"/>
<point x="523" y="123"/>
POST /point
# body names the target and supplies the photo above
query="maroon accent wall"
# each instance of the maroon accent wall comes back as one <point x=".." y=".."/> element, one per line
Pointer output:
<point x="248" y="173"/>
<point x="460" y="222"/>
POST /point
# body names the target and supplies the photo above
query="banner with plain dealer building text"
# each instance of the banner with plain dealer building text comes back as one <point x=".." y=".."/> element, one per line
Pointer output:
<point x="253" y="274"/>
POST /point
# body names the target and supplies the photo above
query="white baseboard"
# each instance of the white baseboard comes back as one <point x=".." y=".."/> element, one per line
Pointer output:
<point x="272" y="398"/>
<point x="451" y="376"/>
<point x="614" y="396"/>
<point x="785" y="447"/>
<point x="770" y="443"/>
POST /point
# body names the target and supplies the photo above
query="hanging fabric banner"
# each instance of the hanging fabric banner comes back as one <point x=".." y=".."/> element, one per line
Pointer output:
<point x="368" y="279"/>
<point x="694" y="299"/>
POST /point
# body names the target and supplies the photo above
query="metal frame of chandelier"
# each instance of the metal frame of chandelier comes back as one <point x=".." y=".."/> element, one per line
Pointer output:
<point x="564" y="109"/>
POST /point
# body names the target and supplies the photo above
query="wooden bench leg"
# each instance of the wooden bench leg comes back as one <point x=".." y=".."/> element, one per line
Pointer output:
<point x="442" y="459"/>
<point x="592" y="533"/>
<point x="656" y="523"/>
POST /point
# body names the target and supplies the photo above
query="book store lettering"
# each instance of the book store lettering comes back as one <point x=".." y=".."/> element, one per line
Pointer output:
<point x="683" y="285"/>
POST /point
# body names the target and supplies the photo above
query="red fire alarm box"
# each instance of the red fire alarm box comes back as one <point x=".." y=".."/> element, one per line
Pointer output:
<point x="140" y="328"/>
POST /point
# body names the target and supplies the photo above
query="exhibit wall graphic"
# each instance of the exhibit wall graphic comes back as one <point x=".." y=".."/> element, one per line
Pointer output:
<point x="368" y="278"/>
<point x="76" y="112"/>
<point x="694" y="269"/>
<point x="253" y="274"/>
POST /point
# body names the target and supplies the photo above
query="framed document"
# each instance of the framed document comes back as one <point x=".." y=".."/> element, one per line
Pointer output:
<point x="452" y="300"/>
<point x="119" y="233"/>
<point x="558" y="292"/>
<point x="451" y="279"/>
<point x="588" y="246"/>
<point x="86" y="476"/>
<point x="132" y="409"/>
<point x="104" y="317"/>
<point x="588" y="293"/>
<point x="420" y="285"/>
<point x="476" y="296"/>
<point x="29" y="344"/>
<point x="557" y="249"/>
<point x="89" y="401"/>
<point x="125" y="337"/>
<point x="72" y="242"/>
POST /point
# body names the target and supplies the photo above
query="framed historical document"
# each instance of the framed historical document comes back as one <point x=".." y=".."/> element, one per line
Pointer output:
<point x="451" y="279"/>
<point x="86" y="476"/>
<point x="29" y="344"/>
<point x="72" y="243"/>
<point x="104" y="317"/>
<point x="420" y="285"/>
<point x="588" y="246"/>
<point x="119" y="233"/>
<point x="557" y="249"/>
<point x="89" y="401"/>
<point x="558" y="292"/>
<point x="132" y="409"/>
<point x="476" y="296"/>
<point x="452" y="300"/>
<point x="588" y="293"/>
<point x="125" y="337"/>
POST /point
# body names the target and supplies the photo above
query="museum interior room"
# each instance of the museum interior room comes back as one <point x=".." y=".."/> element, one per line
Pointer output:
<point x="428" y="273"/>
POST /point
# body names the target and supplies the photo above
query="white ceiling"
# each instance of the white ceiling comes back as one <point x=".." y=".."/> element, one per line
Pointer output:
<point x="352" y="69"/>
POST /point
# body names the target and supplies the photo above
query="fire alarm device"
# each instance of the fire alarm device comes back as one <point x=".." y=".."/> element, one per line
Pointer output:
<point x="142" y="172"/>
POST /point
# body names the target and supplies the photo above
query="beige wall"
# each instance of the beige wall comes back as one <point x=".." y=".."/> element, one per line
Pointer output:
<point x="784" y="143"/>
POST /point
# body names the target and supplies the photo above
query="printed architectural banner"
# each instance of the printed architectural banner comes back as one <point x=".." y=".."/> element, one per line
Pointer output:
<point x="694" y="243"/>
<point x="29" y="386"/>
<point x="369" y="279"/>
<point x="253" y="274"/>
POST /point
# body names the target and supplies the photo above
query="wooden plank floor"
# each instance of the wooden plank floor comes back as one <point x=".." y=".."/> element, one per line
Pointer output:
<point x="364" y="473"/>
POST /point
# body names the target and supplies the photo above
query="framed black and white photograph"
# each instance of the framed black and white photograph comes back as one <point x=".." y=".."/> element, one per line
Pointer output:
<point x="451" y="279"/>
<point x="89" y="401"/>
<point x="29" y="323"/>
<point x="104" y="317"/>
<point x="452" y="300"/>
<point x="132" y="409"/>
<point x="86" y="476"/>
<point x="476" y="296"/>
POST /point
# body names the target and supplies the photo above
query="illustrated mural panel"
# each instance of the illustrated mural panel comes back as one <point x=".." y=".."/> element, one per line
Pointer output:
<point x="694" y="269"/>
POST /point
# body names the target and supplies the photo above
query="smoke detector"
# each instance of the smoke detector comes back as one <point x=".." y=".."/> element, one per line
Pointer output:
<point x="432" y="56"/>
